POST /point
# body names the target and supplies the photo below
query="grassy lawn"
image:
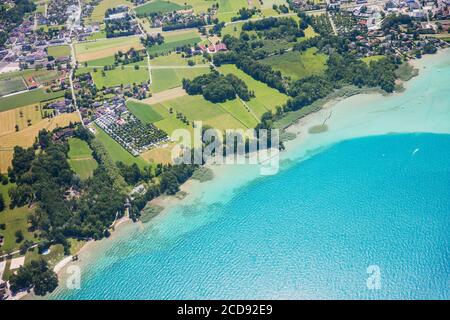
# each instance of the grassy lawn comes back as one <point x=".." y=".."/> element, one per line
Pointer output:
<point x="58" y="51"/>
<point x="266" y="98"/>
<point x="80" y="158"/>
<point x="173" y="40"/>
<point x="118" y="76"/>
<point x="144" y="112"/>
<point x="164" y="79"/>
<point x="372" y="58"/>
<point x="27" y="98"/>
<point x="298" y="65"/>
<point x="115" y="150"/>
<point x="158" y="6"/>
<point x="14" y="220"/>
<point x="233" y="29"/>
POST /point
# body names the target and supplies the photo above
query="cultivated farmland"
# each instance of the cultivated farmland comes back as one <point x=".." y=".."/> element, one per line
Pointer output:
<point x="102" y="48"/>
<point x="28" y="98"/>
<point x="26" y="137"/>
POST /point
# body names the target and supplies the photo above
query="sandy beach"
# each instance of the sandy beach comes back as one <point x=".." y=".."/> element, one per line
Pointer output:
<point x="357" y="116"/>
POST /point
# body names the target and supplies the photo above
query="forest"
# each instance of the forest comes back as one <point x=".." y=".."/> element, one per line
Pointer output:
<point x="216" y="87"/>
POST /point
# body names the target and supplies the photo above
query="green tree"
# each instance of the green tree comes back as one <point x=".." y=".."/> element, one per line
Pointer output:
<point x="2" y="203"/>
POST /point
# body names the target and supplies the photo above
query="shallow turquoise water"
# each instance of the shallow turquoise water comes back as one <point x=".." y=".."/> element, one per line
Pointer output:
<point x="310" y="231"/>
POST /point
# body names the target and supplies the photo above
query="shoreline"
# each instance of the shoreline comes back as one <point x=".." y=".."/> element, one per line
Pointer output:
<point x="302" y="146"/>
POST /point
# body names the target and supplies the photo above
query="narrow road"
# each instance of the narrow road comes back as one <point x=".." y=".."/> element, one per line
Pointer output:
<point x="332" y="24"/>
<point x="144" y="34"/>
<point x="73" y="63"/>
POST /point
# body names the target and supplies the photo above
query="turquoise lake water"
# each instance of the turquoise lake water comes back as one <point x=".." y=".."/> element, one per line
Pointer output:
<point x="312" y="230"/>
<point x="309" y="232"/>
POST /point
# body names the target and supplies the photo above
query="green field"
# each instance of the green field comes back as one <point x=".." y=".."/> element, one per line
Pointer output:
<point x="173" y="40"/>
<point x="115" y="150"/>
<point x="80" y="158"/>
<point x="11" y="85"/>
<point x="158" y="6"/>
<point x="27" y="98"/>
<point x="58" y="51"/>
<point x="118" y="76"/>
<point x="46" y="76"/>
<point x="298" y="65"/>
<point x="199" y="6"/>
<point x="107" y="61"/>
<point x="196" y="108"/>
<point x="99" y="11"/>
<point x="164" y="79"/>
<point x="15" y="219"/>
<point x="266" y="98"/>
<point x="372" y="58"/>
<point x="144" y="112"/>
<point x="229" y="9"/>
<point x="176" y="59"/>
<point x="85" y="47"/>
<point x="97" y="35"/>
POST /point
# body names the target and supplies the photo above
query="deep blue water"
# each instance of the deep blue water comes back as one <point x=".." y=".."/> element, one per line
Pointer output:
<point x="310" y="231"/>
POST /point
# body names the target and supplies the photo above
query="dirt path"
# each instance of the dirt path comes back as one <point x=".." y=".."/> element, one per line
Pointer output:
<point x="165" y="95"/>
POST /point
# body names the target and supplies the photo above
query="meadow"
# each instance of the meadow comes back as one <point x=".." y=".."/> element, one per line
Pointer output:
<point x="144" y="112"/>
<point x="164" y="79"/>
<point x="372" y="58"/>
<point x="298" y="65"/>
<point x="196" y="108"/>
<point x="98" y="14"/>
<point x="119" y="77"/>
<point x="173" y="40"/>
<point x="158" y="6"/>
<point x="176" y="59"/>
<point x="28" y="98"/>
<point x="80" y="158"/>
<point x="266" y="98"/>
<point x="11" y="85"/>
<point x="229" y="9"/>
<point x="58" y="51"/>
<point x="198" y="6"/>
